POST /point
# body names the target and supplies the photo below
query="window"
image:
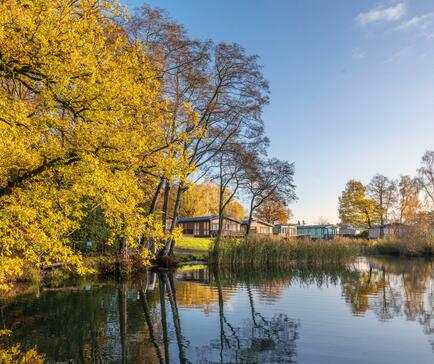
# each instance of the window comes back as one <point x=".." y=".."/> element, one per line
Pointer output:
<point x="215" y="226"/>
<point x="196" y="228"/>
<point x="263" y="230"/>
<point x="230" y="227"/>
<point x="206" y="228"/>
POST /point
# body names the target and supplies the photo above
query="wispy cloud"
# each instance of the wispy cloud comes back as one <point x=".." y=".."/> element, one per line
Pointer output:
<point x="357" y="54"/>
<point x="422" y="23"/>
<point x="381" y="14"/>
<point x="399" y="55"/>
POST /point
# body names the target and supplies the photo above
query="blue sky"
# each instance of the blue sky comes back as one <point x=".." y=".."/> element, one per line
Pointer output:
<point x="352" y="84"/>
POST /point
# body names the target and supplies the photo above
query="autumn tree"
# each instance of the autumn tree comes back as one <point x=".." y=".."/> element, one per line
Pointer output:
<point x="355" y="208"/>
<point x="273" y="211"/>
<point x="383" y="191"/>
<point x="267" y="178"/>
<point x="408" y="204"/>
<point x="80" y="112"/>
<point x="202" y="199"/>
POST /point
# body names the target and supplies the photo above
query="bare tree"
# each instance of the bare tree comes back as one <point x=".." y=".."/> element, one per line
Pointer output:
<point x="323" y="221"/>
<point x="383" y="191"/>
<point x="215" y="95"/>
<point x="266" y="178"/>
<point x="426" y="176"/>
<point x="182" y="67"/>
<point x="231" y="170"/>
<point x="231" y="109"/>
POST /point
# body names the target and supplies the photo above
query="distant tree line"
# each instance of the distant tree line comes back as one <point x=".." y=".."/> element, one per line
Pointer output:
<point x="409" y="199"/>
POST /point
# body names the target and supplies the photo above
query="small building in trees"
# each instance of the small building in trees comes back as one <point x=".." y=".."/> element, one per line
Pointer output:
<point x="208" y="226"/>
<point x="257" y="226"/>
<point x="351" y="231"/>
<point x="394" y="230"/>
<point x="285" y="230"/>
<point x="322" y="231"/>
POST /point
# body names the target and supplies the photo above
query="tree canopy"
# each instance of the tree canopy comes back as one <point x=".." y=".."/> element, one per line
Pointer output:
<point x="355" y="208"/>
<point x="107" y="122"/>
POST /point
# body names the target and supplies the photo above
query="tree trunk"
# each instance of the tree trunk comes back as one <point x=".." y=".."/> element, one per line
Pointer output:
<point x="171" y="243"/>
<point x="143" y="241"/>
<point x="162" y="290"/>
<point x="148" y="321"/>
<point x="221" y="211"/>
<point x="167" y="251"/>
<point x="165" y="205"/>
<point x="171" y="293"/>
<point x="123" y="317"/>
<point x="155" y="197"/>
<point x="368" y="218"/>
<point x="249" y="221"/>
<point x="123" y="248"/>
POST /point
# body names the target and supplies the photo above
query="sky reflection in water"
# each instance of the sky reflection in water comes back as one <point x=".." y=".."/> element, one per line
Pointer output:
<point x="373" y="311"/>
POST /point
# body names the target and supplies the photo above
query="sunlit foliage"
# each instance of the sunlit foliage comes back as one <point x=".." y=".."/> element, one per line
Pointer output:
<point x="81" y="128"/>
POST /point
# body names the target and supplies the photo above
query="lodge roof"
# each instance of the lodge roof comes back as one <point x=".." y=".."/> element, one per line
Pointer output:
<point x="204" y="218"/>
<point x="388" y="225"/>
<point x="246" y="221"/>
<point x="317" y="226"/>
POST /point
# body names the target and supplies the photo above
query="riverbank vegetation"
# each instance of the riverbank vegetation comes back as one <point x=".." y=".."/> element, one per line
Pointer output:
<point x="107" y="121"/>
<point x="265" y="252"/>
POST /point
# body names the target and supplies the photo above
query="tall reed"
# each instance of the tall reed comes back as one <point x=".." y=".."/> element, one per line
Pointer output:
<point x="265" y="252"/>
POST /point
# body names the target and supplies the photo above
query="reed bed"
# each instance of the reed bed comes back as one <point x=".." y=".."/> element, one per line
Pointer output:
<point x="407" y="247"/>
<point x="263" y="252"/>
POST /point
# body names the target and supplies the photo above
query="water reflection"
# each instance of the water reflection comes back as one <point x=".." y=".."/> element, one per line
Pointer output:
<point x="211" y="316"/>
<point x="257" y="340"/>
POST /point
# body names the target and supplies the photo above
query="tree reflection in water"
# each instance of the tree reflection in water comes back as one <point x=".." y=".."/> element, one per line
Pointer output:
<point x="208" y="316"/>
<point x="256" y="340"/>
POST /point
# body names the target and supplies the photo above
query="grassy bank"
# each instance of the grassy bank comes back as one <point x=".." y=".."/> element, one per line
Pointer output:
<point x="263" y="252"/>
<point x="192" y="243"/>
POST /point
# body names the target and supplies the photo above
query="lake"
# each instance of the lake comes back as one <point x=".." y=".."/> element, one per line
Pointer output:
<point x="370" y="311"/>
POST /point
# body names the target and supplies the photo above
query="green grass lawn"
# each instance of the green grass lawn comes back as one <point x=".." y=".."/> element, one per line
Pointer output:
<point x="193" y="243"/>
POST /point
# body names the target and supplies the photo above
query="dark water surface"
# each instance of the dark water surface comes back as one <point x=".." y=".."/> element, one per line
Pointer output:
<point x="373" y="311"/>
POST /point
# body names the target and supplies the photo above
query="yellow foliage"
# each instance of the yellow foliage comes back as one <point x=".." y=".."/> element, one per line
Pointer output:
<point x="203" y="199"/>
<point x="14" y="355"/>
<point x="82" y="125"/>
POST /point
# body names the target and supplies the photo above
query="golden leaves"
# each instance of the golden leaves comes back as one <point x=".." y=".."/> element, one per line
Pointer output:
<point x="80" y="117"/>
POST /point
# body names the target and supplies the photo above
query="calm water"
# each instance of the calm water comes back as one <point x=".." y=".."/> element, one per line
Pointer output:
<point x="373" y="311"/>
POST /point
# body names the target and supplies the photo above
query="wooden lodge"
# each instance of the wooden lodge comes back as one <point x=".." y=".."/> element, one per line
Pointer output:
<point x="207" y="226"/>
<point x="394" y="230"/>
<point x="285" y="230"/>
<point x="257" y="227"/>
